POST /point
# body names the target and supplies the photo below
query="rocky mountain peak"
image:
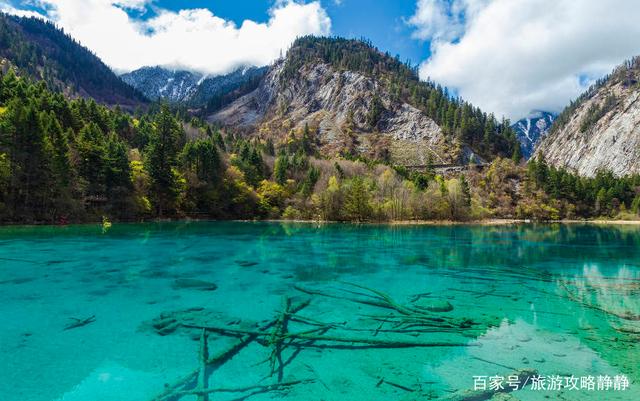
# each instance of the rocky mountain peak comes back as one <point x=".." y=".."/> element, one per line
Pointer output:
<point x="531" y="129"/>
<point x="191" y="88"/>
<point x="359" y="101"/>
<point x="601" y="129"/>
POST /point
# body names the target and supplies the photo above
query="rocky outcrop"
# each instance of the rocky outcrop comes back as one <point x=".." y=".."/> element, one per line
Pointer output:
<point x="346" y="111"/>
<point x="601" y="130"/>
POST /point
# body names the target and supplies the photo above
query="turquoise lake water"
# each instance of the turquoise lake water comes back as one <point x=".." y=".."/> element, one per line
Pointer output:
<point x="560" y="299"/>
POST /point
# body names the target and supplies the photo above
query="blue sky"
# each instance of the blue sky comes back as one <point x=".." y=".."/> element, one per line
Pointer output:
<point x="382" y="21"/>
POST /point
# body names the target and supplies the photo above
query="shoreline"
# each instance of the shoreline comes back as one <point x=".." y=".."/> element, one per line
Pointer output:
<point x="485" y="222"/>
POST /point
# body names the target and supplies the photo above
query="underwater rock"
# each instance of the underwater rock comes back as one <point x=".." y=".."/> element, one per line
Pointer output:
<point x="161" y="323"/>
<point x="165" y="325"/>
<point x="194" y="284"/>
<point x="168" y="329"/>
<point x="245" y="263"/>
<point x="433" y="305"/>
<point x="21" y="280"/>
<point x="504" y="397"/>
<point x="154" y="273"/>
<point x="99" y="292"/>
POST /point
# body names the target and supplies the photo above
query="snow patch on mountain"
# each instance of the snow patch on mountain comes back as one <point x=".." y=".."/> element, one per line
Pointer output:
<point x="532" y="129"/>
<point x="188" y="87"/>
<point x="160" y="83"/>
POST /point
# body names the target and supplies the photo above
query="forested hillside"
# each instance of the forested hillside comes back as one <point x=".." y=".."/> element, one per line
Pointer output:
<point x="67" y="160"/>
<point x="42" y="51"/>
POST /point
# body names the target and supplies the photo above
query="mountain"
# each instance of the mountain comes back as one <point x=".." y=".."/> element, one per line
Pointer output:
<point x="354" y="100"/>
<point x="191" y="88"/>
<point x="42" y="51"/>
<point x="532" y="129"/>
<point x="212" y="90"/>
<point x="600" y="129"/>
<point x="160" y="83"/>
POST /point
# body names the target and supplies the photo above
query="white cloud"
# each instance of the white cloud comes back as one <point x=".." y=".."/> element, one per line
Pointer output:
<point x="511" y="57"/>
<point x="434" y="20"/>
<point x="192" y="38"/>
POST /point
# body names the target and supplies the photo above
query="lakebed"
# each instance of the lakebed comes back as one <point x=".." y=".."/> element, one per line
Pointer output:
<point x="118" y="313"/>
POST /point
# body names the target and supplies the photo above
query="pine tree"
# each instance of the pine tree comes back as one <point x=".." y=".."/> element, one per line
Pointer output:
<point x="357" y="200"/>
<point x="161" y="160"/>
<point x="281" y="168"/>
<point x="466" y="192"/>
<point x="91" y="167"/>
<point x="376" y="109"/>
<point x="219" y="141"/>
<point x="30" y="158"/>
<point x="61" y="165"/>
<point x="306" y="140"/>
<point x="201" y="156"/>
<point x="270" y="148"/>
<point x="118" y="186"/>
<point x="517" y="154"/>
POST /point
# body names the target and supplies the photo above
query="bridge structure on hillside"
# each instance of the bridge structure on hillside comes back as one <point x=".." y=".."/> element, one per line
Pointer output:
<point x="448" y="168"/>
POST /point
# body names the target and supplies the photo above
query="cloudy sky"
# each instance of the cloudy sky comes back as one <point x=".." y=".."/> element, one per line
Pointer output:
<point x="509" y="57"/>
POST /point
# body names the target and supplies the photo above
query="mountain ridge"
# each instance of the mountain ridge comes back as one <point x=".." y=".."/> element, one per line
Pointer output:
<point x="357" y="100"/>
<point x="158" y="82"/>
<point x="190" y="88"/>
<point x="601" y="129"/>
<point x="42" y="51"/>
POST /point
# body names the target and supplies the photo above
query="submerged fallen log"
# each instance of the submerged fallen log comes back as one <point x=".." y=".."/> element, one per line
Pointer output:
<point x="202" y="374"/>
<point x="80" y="322"/>
<point x="413" y="318"/>
<point x="390" y="302"/>
<point x="277" y="338"/>
<point x="354" y="340"/>
<point x="394" y="384"/>
<point x="214" y="361"/>
<point x="261" y="388"/>
<point x="418" y="314"/>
